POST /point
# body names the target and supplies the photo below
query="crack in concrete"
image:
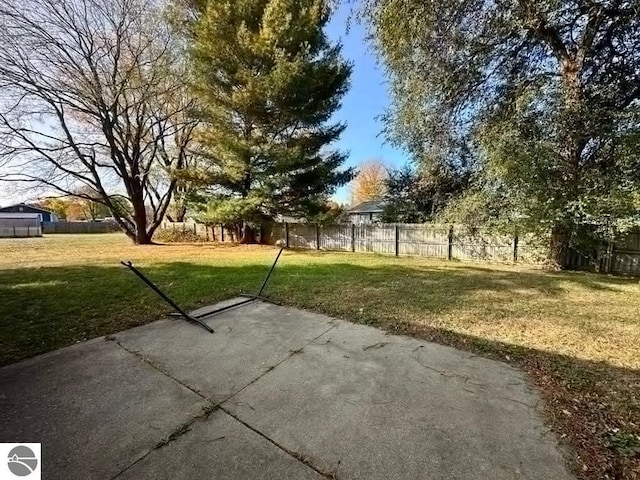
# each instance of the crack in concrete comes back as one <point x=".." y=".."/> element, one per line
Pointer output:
<point x="468" y="380"/>
<point x="441" y="372"/>
<point x="147" y="361"/>
<point x="212" y="406"/>
<point x="528" y="405"/>
<point x="298" y="456"/>
<point x="271" y="368"/>
<point x="375" y="345"/>
<point x="207" y="410"/>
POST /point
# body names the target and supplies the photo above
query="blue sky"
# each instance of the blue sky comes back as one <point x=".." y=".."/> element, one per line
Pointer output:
<point x="366" y="100"/>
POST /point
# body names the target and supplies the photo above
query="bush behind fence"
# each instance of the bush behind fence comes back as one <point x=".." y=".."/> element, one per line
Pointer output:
<point x="208" y="233"/>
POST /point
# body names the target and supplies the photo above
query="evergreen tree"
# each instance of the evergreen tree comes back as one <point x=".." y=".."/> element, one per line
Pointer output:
<point x="418" y="195"/>
<point x="269" y="80"/>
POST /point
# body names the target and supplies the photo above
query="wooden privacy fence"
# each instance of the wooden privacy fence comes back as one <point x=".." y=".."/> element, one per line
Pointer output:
<point x="625" y="254"/>
<point x="79" y="227"/>
<point x="620" y="255"/>
<point x="426" y="240"/>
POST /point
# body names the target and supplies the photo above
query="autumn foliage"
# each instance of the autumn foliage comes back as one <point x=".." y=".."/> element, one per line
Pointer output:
<point x="370" y="182"/>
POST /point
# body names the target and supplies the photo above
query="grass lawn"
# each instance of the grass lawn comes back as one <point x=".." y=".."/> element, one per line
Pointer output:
<point x="576" y="334"/>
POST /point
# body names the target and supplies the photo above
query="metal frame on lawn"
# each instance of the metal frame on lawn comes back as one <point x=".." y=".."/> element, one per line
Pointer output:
<point x="196" y="318"/>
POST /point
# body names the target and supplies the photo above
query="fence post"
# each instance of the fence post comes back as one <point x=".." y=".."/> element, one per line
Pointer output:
<point x="195" y="229"/>
<point x="317" y="237"/>
<point x="353" y="237"/>
<point x="609" y="256"/>
<point x="450" y="250"/>
<point x="222" y="233"/>
<point x="397" y="241"/>
<point x="286" y="234"/>
<point x="515" y="248"/>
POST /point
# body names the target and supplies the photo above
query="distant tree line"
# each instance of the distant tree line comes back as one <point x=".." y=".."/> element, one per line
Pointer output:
<point x="74" y="208"/>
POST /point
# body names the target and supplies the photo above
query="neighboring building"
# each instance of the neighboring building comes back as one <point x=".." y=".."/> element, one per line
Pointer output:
<point x="44" y="215"/>
<point x="287" y="218"/>
<point x="20" y="225"/>
<point x="366" y="212"/>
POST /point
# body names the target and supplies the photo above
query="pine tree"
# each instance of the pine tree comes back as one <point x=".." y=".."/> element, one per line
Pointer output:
<point x="269" y="81"/>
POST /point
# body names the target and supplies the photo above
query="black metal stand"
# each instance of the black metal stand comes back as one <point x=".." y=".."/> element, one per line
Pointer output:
<point x="162" y="295"/>
<point x="196" y="318"/>
<point x="264" y="284"/>
<point x="248" y="297"/>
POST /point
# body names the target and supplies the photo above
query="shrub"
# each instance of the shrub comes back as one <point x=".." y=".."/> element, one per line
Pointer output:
<point x="169" y="235"/>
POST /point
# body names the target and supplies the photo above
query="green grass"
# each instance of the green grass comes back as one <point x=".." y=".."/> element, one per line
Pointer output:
<point x="576" y="334"/>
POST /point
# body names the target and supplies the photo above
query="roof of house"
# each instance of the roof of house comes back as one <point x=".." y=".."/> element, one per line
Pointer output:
<point x="31" y="207"/>
<point x="370" y="206"/>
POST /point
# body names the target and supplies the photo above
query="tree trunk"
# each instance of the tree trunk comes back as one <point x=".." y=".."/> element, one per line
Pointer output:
<point x="572" y="126"/>
<point x="559" y="245"/>
<point x="248" y="233"/>
<point x="573" y="141"/>
<point x="141" y="236"/>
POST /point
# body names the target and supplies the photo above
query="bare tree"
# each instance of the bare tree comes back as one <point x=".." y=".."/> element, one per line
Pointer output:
<point x="92" y="100"/>
<point x="370" y="182"/>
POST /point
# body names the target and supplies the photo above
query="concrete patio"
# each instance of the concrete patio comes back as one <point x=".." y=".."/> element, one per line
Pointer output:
<point x="275" y="393"/>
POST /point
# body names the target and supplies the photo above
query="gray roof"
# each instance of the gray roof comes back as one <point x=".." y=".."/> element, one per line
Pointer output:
<point x="370" y="206"/>
<point x="24" y="205"/>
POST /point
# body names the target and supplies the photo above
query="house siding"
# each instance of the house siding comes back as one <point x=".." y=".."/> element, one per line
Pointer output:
<point x="365" y="217"/>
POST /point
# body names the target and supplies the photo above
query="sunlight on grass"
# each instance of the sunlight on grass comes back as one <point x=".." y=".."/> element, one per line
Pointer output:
<point x="577" y="314"/>
<point x="52" y="283"/>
